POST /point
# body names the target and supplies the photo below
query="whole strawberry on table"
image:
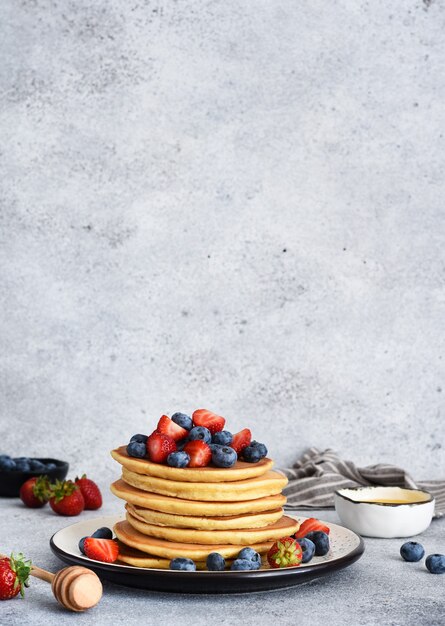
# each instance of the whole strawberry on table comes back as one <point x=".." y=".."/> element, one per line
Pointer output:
<point x="14" y="575"/>
<point x="65" y="497"/>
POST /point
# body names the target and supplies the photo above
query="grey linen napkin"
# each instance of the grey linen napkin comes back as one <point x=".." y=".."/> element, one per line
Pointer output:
<point x="317" y="474"/>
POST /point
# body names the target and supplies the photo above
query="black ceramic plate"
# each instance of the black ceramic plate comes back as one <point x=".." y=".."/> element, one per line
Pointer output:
<point x="11" y="481"/>
<point x="346" y="547"/>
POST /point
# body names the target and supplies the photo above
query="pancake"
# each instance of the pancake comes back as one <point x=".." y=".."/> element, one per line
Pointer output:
<point x="131" y="556"/>
<point x="172" y="549"/>
<point x="268" y="484"/>
<point x="284" y="527"/>
<point x="180" y="506"/>
<point x="240" y="471"/>
<point x="248" y="520"/>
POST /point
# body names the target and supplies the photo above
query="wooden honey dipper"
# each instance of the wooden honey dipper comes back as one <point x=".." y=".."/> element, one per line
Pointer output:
<point x="76" y="588"/>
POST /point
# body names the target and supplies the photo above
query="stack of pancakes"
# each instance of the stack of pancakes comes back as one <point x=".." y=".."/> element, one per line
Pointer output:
<point x="191" y="512"/>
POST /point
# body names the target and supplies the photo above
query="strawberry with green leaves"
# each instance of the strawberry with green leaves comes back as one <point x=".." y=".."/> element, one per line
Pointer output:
<point x="14" y="575"/>
<point x="285" y="552"/>
<point x="35" y="492"/>
<point x="66" y="498"/>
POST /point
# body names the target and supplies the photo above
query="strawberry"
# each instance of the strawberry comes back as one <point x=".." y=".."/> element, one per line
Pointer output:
<point x="159" y="447"/>
<point x="35" y="492"/>
<point x="285" y="552"/>
<point x="166" y="426"/>
<point x="67" y="498"/>
<point x="14" y="574"/>
<point x="203" y="417"/>
<point x="199" y="452"/>
<point x="91" y="493"/>
<point x="241" y="440"/>
<point x="310" y="525"/>
<point x="105" y="550"/>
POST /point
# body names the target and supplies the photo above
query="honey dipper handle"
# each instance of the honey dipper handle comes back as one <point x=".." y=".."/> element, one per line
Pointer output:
<point x="38" y="572"/>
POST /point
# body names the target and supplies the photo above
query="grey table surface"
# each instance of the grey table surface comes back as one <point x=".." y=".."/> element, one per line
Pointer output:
<point x="380" y="588"/>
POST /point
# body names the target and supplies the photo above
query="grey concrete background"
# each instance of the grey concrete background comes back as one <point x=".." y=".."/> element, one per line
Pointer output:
<point x="231" y="205"/>
<point x="236" y="205"/>
<point x="224" y="204"/>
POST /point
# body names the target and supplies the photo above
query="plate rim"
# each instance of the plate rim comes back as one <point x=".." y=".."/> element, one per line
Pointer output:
<point x="322" y="567"/>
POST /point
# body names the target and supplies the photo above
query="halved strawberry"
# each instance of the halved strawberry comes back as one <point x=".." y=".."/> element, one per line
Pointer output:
<point x="105" y="550"/>
<point x="309" y="525"/>
<point x="199" y="452"/>
<point x="203" y="417"/>
<point x="241" y="440"/>
<point x="166" y="426"/>
<point x="159" y="447"/>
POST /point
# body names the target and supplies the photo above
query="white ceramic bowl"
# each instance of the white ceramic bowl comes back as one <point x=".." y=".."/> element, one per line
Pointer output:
<point x="383" y="519"/>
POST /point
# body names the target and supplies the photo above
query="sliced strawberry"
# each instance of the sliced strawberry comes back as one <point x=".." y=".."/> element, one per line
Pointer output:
<point x="199" y="452"/>
<point x="309" y="525"/>
<point x="203" y="417"/>
<point x="105" y="550"/>
<point x="166" y="426"/>
<point x="241" y="440"/>
<point x="159" y="447"/>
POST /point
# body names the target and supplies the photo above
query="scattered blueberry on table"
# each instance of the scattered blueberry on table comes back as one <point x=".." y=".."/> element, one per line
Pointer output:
<point x="435" y="563"/>
<point x="412" y="551"/>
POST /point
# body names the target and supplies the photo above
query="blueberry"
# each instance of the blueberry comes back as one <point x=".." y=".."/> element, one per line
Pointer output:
<point x="185" y="565"/>
<point x="251" y="454"/>
<point x="412" y="551"/>
<point x="215" y="562"/>
<point x="137" y="449"/>
<point x="261" y="447"/>
<point x="6" y="463"/>
<point x="178" y="459"/>
<point x="103" y="533"/>
<point x="222" y="438"/>
<point x="81" y="544"/>
<point x="22" y="465"/>
<point x="214" y="446"/>
<point x="51" y="466"/>
<point x="181" y="443"/>
<point x="139" y="438"/>
<point x="320" y="540"/>
<point x="183" y="420"/>
<point x="308" y="548"/>
<point x="243" y="565"/>
<point x="223" y="456"/>
<point x="435" y="563"/>
<point x="250" y="555"/>
<point x="200" y="432"/>
<point x="37" y="466"/>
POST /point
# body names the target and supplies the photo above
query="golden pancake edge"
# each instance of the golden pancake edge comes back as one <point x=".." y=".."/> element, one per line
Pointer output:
<point x="284" y="527"/>
<point x="234" y="522"/>
<point x="180" y="506"/>
<point x="172" y="549"/>
<point x="269" y="483"/>
<point x="240" y="471"/>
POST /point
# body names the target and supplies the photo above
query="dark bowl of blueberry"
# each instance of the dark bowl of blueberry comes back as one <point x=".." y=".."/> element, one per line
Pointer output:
<point x="15" y="471"/>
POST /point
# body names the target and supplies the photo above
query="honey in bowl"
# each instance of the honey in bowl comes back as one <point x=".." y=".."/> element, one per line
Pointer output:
<point x="387" y="501"/>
